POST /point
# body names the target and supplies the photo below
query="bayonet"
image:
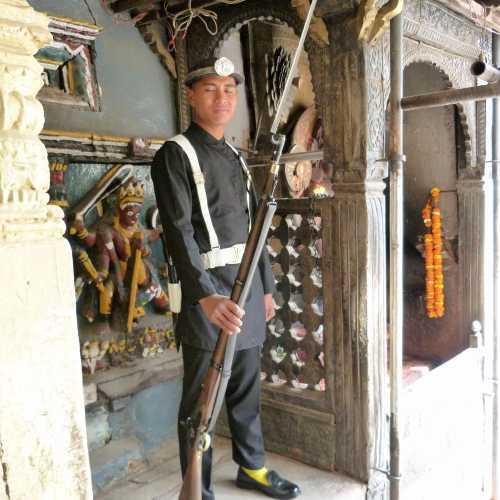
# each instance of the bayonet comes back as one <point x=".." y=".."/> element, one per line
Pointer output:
<point x="293" y="68"/>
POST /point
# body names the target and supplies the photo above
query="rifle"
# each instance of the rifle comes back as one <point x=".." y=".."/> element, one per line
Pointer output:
<point x="218" y="374"/>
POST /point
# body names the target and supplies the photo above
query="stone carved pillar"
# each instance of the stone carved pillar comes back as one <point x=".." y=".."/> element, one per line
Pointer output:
<point x="24" y="173"/>
<point x="354" y="130"/>
<point x="43" y="450"/>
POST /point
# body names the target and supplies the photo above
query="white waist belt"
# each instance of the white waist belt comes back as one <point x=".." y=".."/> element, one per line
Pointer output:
<point x="218" y="257"/>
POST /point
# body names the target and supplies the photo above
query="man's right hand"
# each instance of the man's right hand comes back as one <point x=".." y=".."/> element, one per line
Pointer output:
<point x="222" y="312"/>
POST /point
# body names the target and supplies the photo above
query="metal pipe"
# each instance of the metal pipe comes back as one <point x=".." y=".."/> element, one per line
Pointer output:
<point x="496" y="282"/>
<point x="452" y="96"/>
<point x="396" y="160"/>
<point x="485" y="71"/>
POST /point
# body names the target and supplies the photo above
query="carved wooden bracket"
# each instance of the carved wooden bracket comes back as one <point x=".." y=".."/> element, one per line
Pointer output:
<point x="372" y="21"/>
<point x="153" y="36"/>
<point x="318" y="29"/>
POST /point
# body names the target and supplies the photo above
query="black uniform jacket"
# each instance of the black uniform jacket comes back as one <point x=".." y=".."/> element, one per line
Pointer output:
<point x="187" y="237"/>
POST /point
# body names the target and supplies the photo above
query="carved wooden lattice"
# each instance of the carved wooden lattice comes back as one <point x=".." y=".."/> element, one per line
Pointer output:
<point x="293" y="355"/>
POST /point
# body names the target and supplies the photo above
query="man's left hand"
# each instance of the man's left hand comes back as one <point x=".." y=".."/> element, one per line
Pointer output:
<point x="269" y="306"/>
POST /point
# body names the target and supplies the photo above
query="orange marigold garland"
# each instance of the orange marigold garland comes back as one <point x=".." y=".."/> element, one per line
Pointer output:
<point x="434" y="278"/>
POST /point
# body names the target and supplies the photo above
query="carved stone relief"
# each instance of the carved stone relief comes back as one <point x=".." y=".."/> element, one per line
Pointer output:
<point x="24" y="170"/>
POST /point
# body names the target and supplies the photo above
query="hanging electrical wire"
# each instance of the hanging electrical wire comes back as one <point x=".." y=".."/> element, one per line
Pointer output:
<point x="181" y="21"/>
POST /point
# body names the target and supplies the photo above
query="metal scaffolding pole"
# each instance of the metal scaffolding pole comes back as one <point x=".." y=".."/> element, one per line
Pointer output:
<point x="396" y="161"/>
<point x="452" y="96"/>
<point x="496" y="281"/>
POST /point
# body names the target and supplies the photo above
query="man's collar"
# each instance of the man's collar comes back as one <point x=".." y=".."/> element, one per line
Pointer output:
<point x="203" y="136"/>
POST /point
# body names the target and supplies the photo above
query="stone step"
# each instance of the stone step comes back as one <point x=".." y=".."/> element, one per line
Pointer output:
<point x="163" y="482"/>
<point x="116" y="460"/>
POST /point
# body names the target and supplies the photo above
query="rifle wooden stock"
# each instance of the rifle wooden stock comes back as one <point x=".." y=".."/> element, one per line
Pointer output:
<point x="191" y="487"/>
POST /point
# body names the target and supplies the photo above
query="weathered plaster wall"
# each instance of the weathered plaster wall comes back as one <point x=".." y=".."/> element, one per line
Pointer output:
<point x="137" y="92"/>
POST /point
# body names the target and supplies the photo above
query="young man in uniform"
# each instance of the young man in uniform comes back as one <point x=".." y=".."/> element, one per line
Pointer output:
<point x="206" y="200"/>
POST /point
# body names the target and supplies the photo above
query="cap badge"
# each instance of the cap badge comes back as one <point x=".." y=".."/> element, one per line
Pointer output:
<point x="224" y="66"/>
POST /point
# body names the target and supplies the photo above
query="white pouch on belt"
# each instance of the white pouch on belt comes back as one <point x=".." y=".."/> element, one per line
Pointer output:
<point x="175" y="297"/>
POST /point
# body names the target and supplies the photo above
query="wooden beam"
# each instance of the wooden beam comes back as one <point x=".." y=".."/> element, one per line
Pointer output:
<point x="128" y="5"/>
<point x="178" y="5"/>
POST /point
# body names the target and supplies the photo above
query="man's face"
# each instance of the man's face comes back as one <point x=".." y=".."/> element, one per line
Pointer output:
<point x="213" y="99"/>
<point x="129" y="214"/>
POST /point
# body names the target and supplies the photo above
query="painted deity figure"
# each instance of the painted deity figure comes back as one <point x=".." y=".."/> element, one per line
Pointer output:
<point x="120" y="247"/>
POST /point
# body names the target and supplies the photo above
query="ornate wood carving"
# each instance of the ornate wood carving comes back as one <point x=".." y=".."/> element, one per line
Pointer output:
<point x="181" y="62"/>
<point x="480" y="109"/>
<point x="373" y="20"/>
<point x="233" y="17"/>
<point x="358" y="233"/>
<point x="154" y="35"/>
<point x="318" y="29"/>
<point x="436" y="25"/>
<point x="89" y="147"/>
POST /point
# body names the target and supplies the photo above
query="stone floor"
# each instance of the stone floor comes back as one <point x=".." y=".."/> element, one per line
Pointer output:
<point x="162" y="481"/>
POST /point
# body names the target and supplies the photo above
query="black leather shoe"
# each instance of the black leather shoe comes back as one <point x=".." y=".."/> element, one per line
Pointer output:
<point x="278" y="487"/>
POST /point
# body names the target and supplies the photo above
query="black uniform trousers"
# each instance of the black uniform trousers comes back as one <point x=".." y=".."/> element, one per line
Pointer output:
<point x="243" y="407"/>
